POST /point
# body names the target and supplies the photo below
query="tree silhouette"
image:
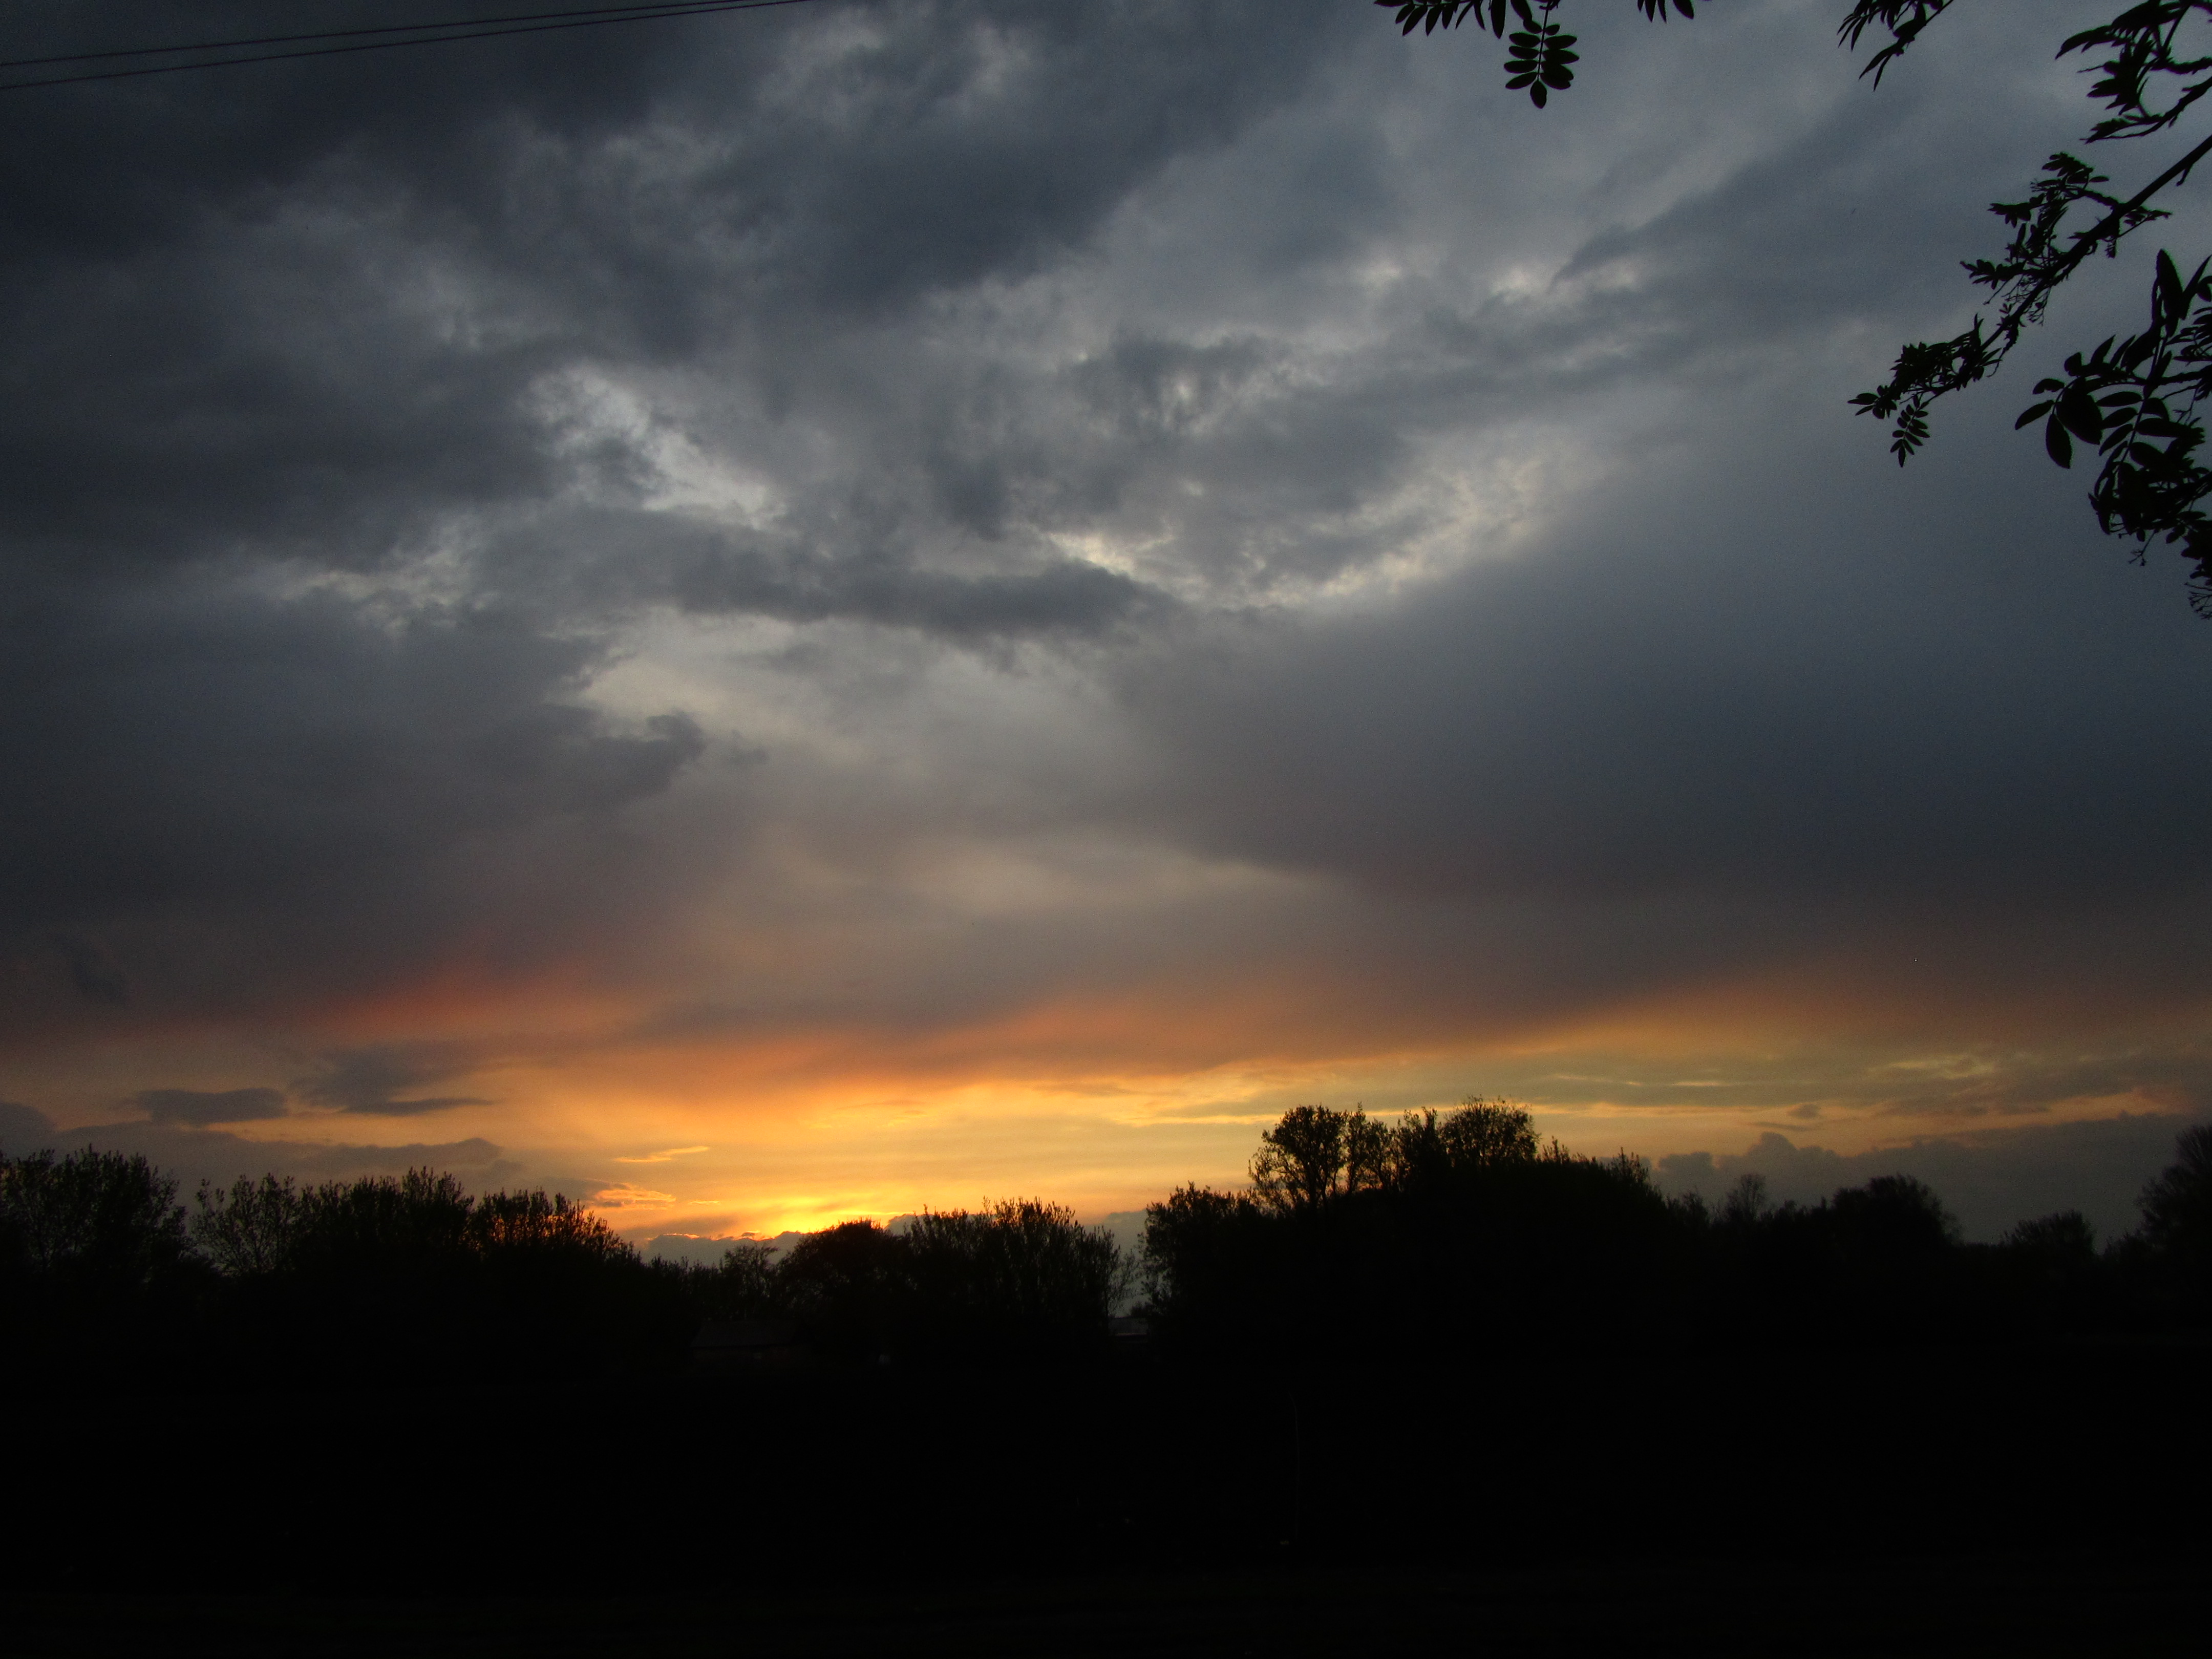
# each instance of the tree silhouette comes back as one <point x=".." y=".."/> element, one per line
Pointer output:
<point x="1302" y="1161"/>
<point x="1018" y="1275"/>
<point x="97" y="1278"/>
<point x="1452" y="1234"/>
<point x="2177" y="1230"/>
<point x="849" y="1286"/>
<point x="1480" y="1135"/>
<point x="742" y="1285"/>
<point x="252" y="1228"/>
<point x="414" y="1275"/>
<point x="97" y="1221"/>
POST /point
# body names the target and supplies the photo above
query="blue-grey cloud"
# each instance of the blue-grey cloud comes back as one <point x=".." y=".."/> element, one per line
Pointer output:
<point x="24" y="1129"/>
<point x="1991" y="1179"/>
<point x="382" y="1080"/>
<point x="192" y="1154"/>
<point x="201" y="1107"/>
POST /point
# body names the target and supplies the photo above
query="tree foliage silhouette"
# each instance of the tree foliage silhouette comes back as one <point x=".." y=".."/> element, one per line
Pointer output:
<point x="414" y="1274"/>
<point x="2177" y="1230"/>
<point x="2133" y="398"/>
<point x="95" y="1220"/>
<point x="1474" y="1235"/>
<point x="1020" y="1276"/>
<point x="1441" y="1233"/>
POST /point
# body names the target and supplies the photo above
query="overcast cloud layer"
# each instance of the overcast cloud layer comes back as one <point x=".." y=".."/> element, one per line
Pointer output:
<point x="817" y="610"/>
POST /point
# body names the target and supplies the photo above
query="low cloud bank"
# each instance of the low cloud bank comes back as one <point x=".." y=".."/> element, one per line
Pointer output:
<point x="194" y="1155"/>
<point x="1990" y="1179"/>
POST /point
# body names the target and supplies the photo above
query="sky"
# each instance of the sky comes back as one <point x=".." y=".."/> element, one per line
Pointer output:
<point x="798" y="614"/>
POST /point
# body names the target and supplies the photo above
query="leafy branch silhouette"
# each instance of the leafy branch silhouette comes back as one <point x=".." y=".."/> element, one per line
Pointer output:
<point x="2134" y="399"/>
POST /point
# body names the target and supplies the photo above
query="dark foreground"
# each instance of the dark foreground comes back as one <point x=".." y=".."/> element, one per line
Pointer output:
<point x="1963" y="1605"/>
<point x="1995" y="1500"/>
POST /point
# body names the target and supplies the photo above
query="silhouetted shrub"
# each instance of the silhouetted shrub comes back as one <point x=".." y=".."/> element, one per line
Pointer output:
<point x="413" y="1276"/>
<point x="251" y="1230"/>
<point x="1454" y="1236"/>
<point x="1020" y="1277"/>
<point x="2046" y="1278"/>
<point x="850" y="1289"/>
<point x="2176" y="1241"/>
<point x="99" y="1222"/>
<point x="96" y="1278"/>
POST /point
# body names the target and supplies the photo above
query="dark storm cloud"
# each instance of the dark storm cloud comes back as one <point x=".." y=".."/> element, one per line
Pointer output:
<point x="201" y="1107"/>
<point x="183" y="1146"/>
<point x="316" y="531"/>
<point x="299" y="771"/>
<point x="96" y="978"/>
<point x="1761" y="673"/>
<point x="23" y="1129"/>
<point x="379" y="1081"/>
<point x="1741" y="658"/>
<point x="709" y="571"/>
<point x="308" y="304"/>
<point x="194" y="1155"/>
<point x="1065" y="596"/>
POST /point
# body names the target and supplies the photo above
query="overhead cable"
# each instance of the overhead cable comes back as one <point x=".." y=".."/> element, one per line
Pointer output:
<point x="383" y="37"/>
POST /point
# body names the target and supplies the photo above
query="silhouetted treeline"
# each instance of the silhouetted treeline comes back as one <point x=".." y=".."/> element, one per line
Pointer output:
<point x="105" y="1277"/>
<point x="1018" y="1278"/>
<point x="1464" y="1234"/>
<point x="1442" y="1237"/>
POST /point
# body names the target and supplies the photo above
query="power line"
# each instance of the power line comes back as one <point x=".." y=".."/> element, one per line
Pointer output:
<point x="418" y="34"/>
<point x="346" y="34"/>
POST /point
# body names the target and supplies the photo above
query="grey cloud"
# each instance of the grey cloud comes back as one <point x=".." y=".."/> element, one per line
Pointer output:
<point x="376" y="1081"/>
<point x="315" y="549"/>
<point x="708" y="1250"/>
<point x="687" y="1248"/>
<point x="1763" y="672"/>
<point x="96" y="978"/>
<point x="201" y="1107"/>
<point x="315" y="306"/>
<point x="223" y="759"/>
<point x="24" y="1129"/>
<point x="1059" y="596"/>
<point x="1991" y="1179"/>
<point x="1834" y="226"/>
<point x="194" y="1155"/>
<point x="1792" y="1173"/>
<point x="943" y="183"/>
<point x="2177" y="1077"/>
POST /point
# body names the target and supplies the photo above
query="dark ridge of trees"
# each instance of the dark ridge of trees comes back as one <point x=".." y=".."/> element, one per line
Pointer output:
<point x="1459" y="1237"/>
<point x="95" y="1263"/>
<point x="1438" y="1236"/>
<point x="1464" y="1235"/>
<point x="1020" y="1278"/>
<point x="2167" y="1262"/>
<point x="415" y="1276"/>
<point x="104" y="1279"/>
